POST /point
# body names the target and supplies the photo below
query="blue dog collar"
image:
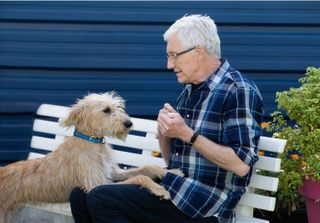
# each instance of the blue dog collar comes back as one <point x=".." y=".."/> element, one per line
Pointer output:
<point x="89" y="138"/>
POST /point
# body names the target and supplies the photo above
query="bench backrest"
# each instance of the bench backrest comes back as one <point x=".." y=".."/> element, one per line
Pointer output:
<point x="141" y="144"/>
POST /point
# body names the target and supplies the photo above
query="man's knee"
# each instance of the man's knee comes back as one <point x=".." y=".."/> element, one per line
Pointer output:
<point x="110" y="195"/>
<point x="105" y="202"/>
<point x="101" y="196"/>
<point x="77" y="195"/>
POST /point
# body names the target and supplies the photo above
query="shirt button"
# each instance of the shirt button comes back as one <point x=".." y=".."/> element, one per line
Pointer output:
<point x="177" y="154"/>
<point x="188" y="115"/>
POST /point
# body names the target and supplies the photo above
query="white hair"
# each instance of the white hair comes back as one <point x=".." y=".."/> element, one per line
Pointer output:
<point x="194" y="30"/>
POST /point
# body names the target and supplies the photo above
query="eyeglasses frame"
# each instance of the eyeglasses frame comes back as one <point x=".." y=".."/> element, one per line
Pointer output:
<point x="173" y="56"/>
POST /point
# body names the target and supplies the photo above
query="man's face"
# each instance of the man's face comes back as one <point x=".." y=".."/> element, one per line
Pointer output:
<point x="184" y="65"/>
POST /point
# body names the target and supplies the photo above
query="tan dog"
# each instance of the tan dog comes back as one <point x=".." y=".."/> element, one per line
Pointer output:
<point x="77" y="162"/>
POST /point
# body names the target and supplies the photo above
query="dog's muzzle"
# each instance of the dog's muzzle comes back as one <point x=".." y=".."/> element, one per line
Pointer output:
<point x="127" y="124"/>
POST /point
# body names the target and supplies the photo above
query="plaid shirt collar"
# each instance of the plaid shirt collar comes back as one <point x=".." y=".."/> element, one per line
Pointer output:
<point x="214" y="79"/>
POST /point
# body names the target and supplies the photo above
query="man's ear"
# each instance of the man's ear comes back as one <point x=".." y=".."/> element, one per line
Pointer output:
<point x="201" y="52"/>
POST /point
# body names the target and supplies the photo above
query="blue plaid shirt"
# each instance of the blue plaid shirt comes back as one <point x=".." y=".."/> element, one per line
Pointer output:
<point x="227" y="109"/>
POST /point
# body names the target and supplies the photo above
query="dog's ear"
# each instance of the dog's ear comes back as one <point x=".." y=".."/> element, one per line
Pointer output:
<point x="72" y="117"/>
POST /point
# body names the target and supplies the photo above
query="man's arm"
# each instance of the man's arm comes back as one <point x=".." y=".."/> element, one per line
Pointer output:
<point x="222" y="156"/>
<point x="165" y="146"/>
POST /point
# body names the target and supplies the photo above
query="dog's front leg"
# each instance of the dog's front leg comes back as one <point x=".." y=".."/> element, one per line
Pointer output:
<point x="120" y="174"/>
<point x="151" y="171"/>
<point x="93" y="177"/>
<point x="4" y="217"/>
<point x="146" y="182"/>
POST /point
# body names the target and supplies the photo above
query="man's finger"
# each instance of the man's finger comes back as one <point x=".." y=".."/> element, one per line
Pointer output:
<point x="163" y="118"/>
<point x="172" y="114"/>
<point x="169" y="107"/>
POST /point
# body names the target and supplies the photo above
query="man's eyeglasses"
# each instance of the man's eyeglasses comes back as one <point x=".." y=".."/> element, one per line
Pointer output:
<point x="173" y="56"/>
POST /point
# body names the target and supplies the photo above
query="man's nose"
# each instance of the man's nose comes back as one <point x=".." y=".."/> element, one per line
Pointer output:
<point x="170" y="64"/>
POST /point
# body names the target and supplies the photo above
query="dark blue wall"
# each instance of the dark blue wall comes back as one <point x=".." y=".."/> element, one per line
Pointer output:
<point x="55" y="52"/>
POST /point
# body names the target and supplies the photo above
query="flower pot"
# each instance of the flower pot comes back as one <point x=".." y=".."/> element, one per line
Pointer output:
<point x="310" y="190"/>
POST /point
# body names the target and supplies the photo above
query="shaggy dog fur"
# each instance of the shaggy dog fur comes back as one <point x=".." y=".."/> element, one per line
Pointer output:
<point x="77" y="162"/>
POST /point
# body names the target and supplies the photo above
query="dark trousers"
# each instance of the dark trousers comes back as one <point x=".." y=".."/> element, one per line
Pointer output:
<point x="126" y="204"/>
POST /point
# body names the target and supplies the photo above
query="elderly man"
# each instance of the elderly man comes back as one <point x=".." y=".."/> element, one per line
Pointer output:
<point x="211" y="135"/>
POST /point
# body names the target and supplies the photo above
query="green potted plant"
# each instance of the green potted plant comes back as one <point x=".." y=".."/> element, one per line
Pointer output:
<point x="298" y="121"/>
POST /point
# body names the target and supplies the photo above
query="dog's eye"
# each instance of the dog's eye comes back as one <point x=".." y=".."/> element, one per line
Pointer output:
<point x="107" y="110"/>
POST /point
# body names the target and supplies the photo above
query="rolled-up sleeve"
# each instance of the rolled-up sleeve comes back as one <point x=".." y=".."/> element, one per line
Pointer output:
<point x="243" y="112"/>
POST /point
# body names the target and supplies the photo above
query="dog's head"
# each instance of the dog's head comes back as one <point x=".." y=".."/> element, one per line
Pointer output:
<point x="100" y="115"/>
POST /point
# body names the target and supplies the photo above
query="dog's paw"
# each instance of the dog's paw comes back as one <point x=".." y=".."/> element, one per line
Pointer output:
<point x="177" y="172"/>
<point x="165" y="196"/>
<point x="161" y="192"/>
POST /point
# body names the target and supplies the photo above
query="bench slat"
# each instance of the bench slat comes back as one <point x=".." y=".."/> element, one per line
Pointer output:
<point x="138" y="160"/>
<point x="269" y="164"/>
<point x="137" y="142"/>
<point x="264" y="182"/>
<point x="132" y="141"/>
<point x="132" y="159"/>
<point x="33" y="155"/>
<point x="271" y="144"/>
<point x="51" y="127"/>
<point x="55" y="111"/>
<point x="44" y="143"/>
<point x="258" y="201"/>
<point x="144" y="125"/>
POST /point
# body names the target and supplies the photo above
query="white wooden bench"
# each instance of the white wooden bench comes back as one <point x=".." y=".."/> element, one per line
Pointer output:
<point x="48" y="134"/>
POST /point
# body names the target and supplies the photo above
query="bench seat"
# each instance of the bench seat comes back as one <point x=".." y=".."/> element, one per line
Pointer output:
<point x="140" y="148"/>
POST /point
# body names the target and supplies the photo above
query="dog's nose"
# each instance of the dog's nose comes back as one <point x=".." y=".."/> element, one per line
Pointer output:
<point x="128" y="124"/>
